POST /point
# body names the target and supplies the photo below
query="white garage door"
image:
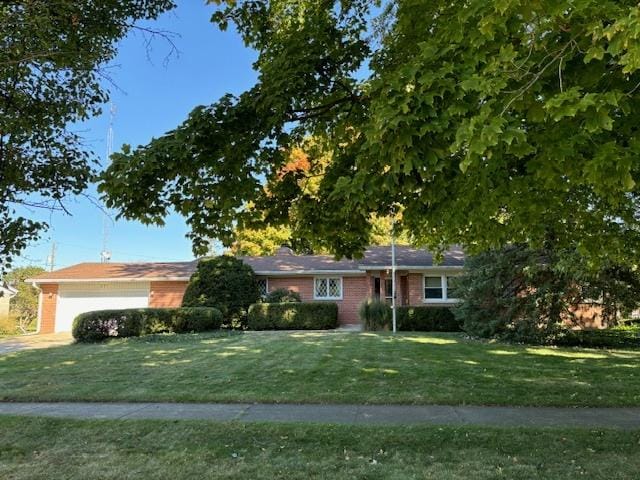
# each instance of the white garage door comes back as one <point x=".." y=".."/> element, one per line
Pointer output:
<point x="74" y="299"/>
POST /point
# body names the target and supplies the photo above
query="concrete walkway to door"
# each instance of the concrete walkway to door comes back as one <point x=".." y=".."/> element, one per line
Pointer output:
<point x="33" y="341"/>
<point x="619" y="418"/>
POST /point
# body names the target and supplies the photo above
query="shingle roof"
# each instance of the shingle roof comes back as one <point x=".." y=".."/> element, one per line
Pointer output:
<point x="282" y="263"/>
<point x="410" y="257"/>
<point x="374" y="258"/>
<point x="121" y="271"/>
<point x="300" y="263"/>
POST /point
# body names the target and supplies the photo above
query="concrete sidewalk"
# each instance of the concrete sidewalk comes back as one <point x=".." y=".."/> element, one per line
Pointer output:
<point x="619" y="418"/>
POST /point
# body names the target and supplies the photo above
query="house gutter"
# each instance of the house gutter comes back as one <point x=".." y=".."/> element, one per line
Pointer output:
<point x="410" y="267"/>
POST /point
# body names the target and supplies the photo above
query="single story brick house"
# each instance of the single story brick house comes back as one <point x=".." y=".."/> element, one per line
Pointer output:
<point x="85" y="287"/>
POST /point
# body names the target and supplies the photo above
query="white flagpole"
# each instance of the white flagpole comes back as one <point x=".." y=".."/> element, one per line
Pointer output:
<point x="393" y="271"/>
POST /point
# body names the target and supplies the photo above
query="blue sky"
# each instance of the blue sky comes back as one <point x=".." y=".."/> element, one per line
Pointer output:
<point x="152" y="97"/>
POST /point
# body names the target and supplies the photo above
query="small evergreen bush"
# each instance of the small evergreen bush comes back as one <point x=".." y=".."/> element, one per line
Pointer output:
<point x="134" y="322"/>
<point x="225" y="283"/>
<point x="293" y="316"/>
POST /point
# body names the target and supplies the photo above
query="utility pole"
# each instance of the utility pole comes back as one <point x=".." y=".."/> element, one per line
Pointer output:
<point x="51" y="259"/>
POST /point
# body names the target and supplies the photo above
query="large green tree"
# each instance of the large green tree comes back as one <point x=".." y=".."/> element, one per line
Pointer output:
<point x="52" y="55"/>
<point x="486" y="121"/>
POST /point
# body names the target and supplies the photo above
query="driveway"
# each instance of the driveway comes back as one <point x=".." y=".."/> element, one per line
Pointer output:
<point x="30" y="342"/>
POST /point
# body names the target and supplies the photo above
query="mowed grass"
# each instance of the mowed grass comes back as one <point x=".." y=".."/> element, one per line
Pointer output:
<point x="36" y="448"/>
<point x="360" y="368"/>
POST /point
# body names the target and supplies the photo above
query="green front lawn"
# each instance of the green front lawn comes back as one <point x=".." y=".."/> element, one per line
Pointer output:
<point x="323" y="368"/>
<point x="35" y="448"/>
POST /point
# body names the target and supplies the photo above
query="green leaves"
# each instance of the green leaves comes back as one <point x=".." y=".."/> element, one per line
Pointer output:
<point x="51" y="53"/>
<point x="485" y="122"/>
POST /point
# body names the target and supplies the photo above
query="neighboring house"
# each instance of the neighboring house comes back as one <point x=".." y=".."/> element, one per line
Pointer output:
<point x="85" y="287"/>
<point x="6" y="292"/>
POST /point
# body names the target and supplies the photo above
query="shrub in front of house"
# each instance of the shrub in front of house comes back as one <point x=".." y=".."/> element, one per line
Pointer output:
<point x="375" y="315"/>
<point x="627" y="336"/>
<point x="102" y="324"/>
<point x="293" y="316"/>
<point x="282" y="295"/>
<point x="225" y="283"/>
<point x="427" y="319"/>
<point x="523" y="295"/>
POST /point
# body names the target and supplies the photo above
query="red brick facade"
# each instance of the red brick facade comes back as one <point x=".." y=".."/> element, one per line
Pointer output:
<point x="49" y="301"/>
<point x="166" y="294"/>
<point x="354" y="291"/>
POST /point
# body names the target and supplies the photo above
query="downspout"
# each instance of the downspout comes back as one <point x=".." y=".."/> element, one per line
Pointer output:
<point x="39" y="320"/>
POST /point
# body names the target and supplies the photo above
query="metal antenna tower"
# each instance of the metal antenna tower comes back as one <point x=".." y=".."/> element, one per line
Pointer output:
<point x="105" y="254"/>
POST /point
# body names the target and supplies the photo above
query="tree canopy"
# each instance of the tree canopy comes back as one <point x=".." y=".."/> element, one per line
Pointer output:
<point x="486" y="122"/>
<point x="267" y="240"/>
<point x="52" y="53"/>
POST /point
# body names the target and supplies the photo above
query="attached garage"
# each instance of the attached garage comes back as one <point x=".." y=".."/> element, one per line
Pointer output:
<point x="74" y="299"/>
<point x="87" y="287"/>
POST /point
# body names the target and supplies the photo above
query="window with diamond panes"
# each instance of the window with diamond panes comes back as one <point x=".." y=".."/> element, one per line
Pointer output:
<point x="334" y="287"/>
<point x="328" y="288"/>
<point x="262" y="287"/>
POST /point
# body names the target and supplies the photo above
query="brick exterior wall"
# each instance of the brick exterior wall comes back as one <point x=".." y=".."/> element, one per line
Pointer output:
<point x="586" y="316"/>
<point x="166" y="294"/>
<point x="49" y="299"/>
<point x="415" y="284"/>
<point x="354" y="291"/>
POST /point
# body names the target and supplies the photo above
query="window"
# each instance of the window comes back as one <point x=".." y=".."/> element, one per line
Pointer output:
<point x="388" y="290"/>
<point x="440" y="288"/>
<point x="262" y="287"/>
<point x="328" y="288"/>
<point x="452" y="293"/>
<point x="433" y="288"/>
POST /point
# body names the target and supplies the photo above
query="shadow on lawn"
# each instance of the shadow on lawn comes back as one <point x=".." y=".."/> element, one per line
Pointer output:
<point x="338" y="364"/>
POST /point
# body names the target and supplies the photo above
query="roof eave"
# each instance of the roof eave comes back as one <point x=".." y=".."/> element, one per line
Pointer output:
<point x="412" y="267"/>
<point x="102" y="280"/>
<point x="285" y="273"/>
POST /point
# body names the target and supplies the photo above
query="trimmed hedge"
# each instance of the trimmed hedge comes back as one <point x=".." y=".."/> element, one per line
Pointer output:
<point x="282" y="295"/>
<point x="134" y="322"/>
<point x="427" y="319"/>
<point x="376" y="315"/>
<point x="293" y="316"/>
<point x="615" y="337"/>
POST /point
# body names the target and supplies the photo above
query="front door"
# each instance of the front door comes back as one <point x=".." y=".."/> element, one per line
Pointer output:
<point x="376" y="288"/>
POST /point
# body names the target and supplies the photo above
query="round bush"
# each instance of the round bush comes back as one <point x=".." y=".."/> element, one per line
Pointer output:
<point x="225" y="283"/>
<point x="282" y="295"/>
